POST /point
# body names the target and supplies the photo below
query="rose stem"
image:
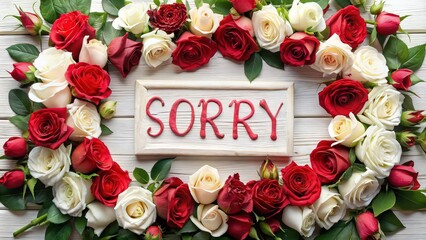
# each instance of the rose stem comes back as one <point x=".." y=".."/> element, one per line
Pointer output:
<point x="33" y="223"/>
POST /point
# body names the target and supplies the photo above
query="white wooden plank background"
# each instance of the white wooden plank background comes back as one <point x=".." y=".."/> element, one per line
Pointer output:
<point x="311" y="120"/>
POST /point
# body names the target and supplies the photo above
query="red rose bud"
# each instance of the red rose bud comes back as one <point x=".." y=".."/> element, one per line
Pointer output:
<point x="401" y="79"/>
<point x="23" y="72"/>
<point x="367" y="226"/>
<point x="412" y="118"/>
<point x="270" y="227"/>
<point x="30" y="21"/>
<point x="421" y="140"/>
<point x="153" y="233"/>
<point x="407" y="139"/>
<point x="268" y="170"/>
<point x="239" y="225"/>
<point x="404" y="176"/>
<point x="124" y="54"/>
<point x="15" y="147"/>
<point x="387" y="23"/>
<point x="13" y="179"/>
<point x="242" y="6"/>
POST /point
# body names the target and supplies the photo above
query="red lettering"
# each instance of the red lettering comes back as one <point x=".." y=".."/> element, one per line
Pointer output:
<point x="238" y="120"/>
<point x="172" y="117"/>
<point x="265" y="106"/>
<point x="155" y="119"/>
<point x="204" y="119"/>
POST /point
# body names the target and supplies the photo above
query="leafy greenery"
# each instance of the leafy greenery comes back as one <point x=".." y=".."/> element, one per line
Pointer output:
<point x="343" y="3"/>
<point x="222" y="7"/>
<point x="58" y="231"/>
<point x="21" y="122"/>
<point x="55" y="216"/>
<point x="384" y="201"/>
<point x="141" y="175"/>
<point x="112" y="6"/>
<point x="161" y="169"/>
<point x="105" y="130"/>
<point x="23" y="52"/>
<point x="416" y="56"/>
<point x="272" y="59"/>
<point x="253" y="66"/>
<point x="323" y="3"/>
<point x="109" y="33"/>
<point x="396" y="52"/>
<point x="12" y="198"/>
<point x="97" y="20"/>
<point x="19" y="102"/>
<point x="80" y="224"/>
<point x="410" y="199"/>
<point x="52" y="9"/>
<point x="389" y="222"/>
<point x="341" y="230"/>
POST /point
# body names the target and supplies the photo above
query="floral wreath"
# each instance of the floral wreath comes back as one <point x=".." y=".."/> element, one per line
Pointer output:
<point x="348" y="192"/>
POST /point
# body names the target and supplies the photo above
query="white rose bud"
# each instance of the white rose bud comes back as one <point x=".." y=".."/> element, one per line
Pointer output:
<point x="52" y="95"/>
<point x="157" y="47"/>
<point x="203" y="21"/>
<point x="107" y="109"/>
<point x="379" y="151"/>
<point x="133" y="18"/>
<point x="301" y="219"/>
<point x="205" y="185"/>
<point x="306" y="16"/>
<point x="211" y="219"/>
<point x="329" y="208"/>
<point x="84" y="119"/>
<point x="72" y="194"/>
<point x="48" y="165"/>
<point x="99" y="216"/>
<point x="52" y="64"/>
<point x="135" y="210"/>
<point x="93" y="52"/>
<point x="346" y="131"/>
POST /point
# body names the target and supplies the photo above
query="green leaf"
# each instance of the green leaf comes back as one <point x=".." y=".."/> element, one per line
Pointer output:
<point x="373" y="35"/>
<point x="109" y="33"/>
<point x="410" y="199"/>
<point x="201" y="236"/>
<point x="23" y="52"/>
<point x="343" y="3"/>
<point x="141" y="175"/>
<point x="288" y="233"/>
<point x="415" y="79"/>
<point x="222" y="7"/>
<point x="20" y="122"/>
<point x="340" y="230"/>
<point x="42" y="194"/>
<point x="352" y="156"/>
<point x="384" y="201"/>
<point x="152" y="187"/>
<point x="157" y="3"/>
<point x="88" y="234"/>
<point x="408" y="103"/>
<point x="253" y="66"/>
<point x="58" y="231"/>
<point x="198" y="3"/>
<point x="110" y="230"/>
<point x="389" y="222"/>
<point x="395" y="52"/>
<point x="12" y="198"/>
<point x="125" y="234"/>
<point x="31" y="185"/>
<point x="88" y="176"/>
<point x="416" y="56"/>
<point x="112" y="6"/>
<point x="80" y="224"/>
<point x="19" y="102"/>
<point x="323" y="3"/>
<point x="272" y="59"/>
<point x="189" y="227"/>
<point x="105" y="130"/>
<point x="52" y="9"/>
<point x="161" y="169"/>
<point x="97" y="20"/>
<point x="55" y="216"/>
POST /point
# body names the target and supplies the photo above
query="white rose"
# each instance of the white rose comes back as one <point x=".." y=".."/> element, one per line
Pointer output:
<point x="301" y="219"/>
<point x="205" y="185"/>
<point x="72" y="194"/>
<point x="346" y="131"/>
<point x="211" y="219"/>
<point x="52" y="64"/>
<point x="52" y="95"/>
<point x="306" y="16"/>
<point x="329" y="208"/>
<point x="359" y="190"/>
<point x="93" y="52"/>
<point x="379" y="151"/>
<point x="99" y="216"/>
<point x="157" y="47"/>
<point x="203" y="21"/>
<point x="135" y="210"/>
<point x="270" y="28"/>
<point x="333" y="56"/>
<point x="369" y="66"/>
<point x="133" y="18"/>
<point x="84" y="119"/>
<point x="383" y="108"/>
<point x="48" y="165"/>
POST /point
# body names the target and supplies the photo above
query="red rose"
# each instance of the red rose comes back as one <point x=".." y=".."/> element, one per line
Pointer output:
<point x="91" y="155"/>
<point x="239" y="225"/>
<point x="22" y="72"/>
<point x="348" y="24"/>
<point x="169" y="17"/>
<point x="15" y="147"/>
<point x="343" y="97"/>
<point x="192" y="51"/>
<point x="243" y="6"/>
<point x="124" y="54"/>
<point x="109" y="184"/>
<point x="387" y="23"/>
<point x="47" y="127"/>
<point x="235" y="38"/>
<point x="13" y="179"/>
<point x="404" y="176"/>
<point x="235" y="196"/>
<point x="88" y="82"/>
<point x="269" y="198"/>
<point x="367" y="226"/>
<point x="329" y="163"/>
<point x="301" y="184"/>
<point x="299" y="49"/>
<point x="69" y="30"/>
<point x="401" y="78"/>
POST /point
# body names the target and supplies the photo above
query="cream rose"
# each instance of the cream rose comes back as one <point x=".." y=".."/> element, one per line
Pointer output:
<point x="379" y="151"/>
<point x="333" y="56"/>
<point x="346" y="131"/>
<point x="72" y="194"/>
<point x="52" y="64"/>
<point x="203" y="21"/>
<point x="157" y="47"/>
<point x="383" y="108"/>
<point x="84" y="119"/>
<point x="205" y="185"/>
<point x="270" y="28"/>
<point x="301" y="219"/>
<point x="211" y="219"/>
<point x="135" y="210"/>
<point x="369" y="66"/>
<point x="48" y="165"/>
<point x="359" y="190"/>
<point x="133" y="18"/>
<point x="93" y="52"/>
<point x="306" y="16"/>
<point x="52" y="95"/>
<point x="329" y="208"/>
<point x="99" y="216"/>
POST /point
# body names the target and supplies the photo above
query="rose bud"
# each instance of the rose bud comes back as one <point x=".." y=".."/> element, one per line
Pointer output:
<point x="268" y="170"/>
<point x="23" y="72"/>
<point x="401" y="79"/>
<point x="407" y="139"/>
<point x="153" y="233"/>
<point x="93" y="52"/>
<point x="412" y="118"/>
<point x="13" y="179"/>
<point x="270" y="227"/>
<point x="30" y="21"/>
<point x="15" y="147"/>
<point x="124" y="54"/>
<point x="239" y="225"/>
<point x="367" y="226"/>
<point x="377" y="8"/>
<point x="404" y="176"/>
<point x="387" y="23"/>
<point x="242" y="6"/>
<point x="421" y="140"/>
<point x="107" y="109"/>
